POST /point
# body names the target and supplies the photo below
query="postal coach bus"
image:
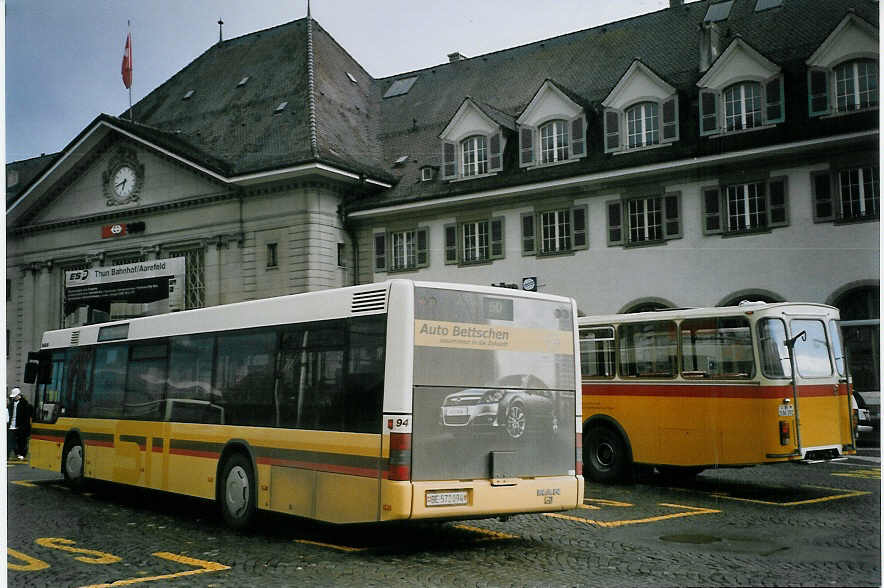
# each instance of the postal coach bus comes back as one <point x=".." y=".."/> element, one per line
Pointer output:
<point x="687" y="390"/>
<point x="390" y="401"/>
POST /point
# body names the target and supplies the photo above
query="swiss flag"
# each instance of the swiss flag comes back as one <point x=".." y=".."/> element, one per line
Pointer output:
<point x="127" y="62"/>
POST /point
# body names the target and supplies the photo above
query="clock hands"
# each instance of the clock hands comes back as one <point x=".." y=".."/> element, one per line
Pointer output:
<point x="122" y="184"/>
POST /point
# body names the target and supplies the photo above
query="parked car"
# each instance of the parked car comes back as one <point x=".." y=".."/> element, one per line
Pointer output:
<point x="517" y="404"/>
<point x="867" y="418"/>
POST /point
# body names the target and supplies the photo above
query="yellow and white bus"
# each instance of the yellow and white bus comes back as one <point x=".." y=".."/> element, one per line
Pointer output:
<point x="687" y="390"/>
<point x="390" y="401"/>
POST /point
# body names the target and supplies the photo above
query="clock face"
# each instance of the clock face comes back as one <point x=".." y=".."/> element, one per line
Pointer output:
<point x="124" y="182"/>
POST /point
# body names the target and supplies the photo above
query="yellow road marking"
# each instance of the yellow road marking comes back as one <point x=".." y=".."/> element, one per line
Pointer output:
<point x="691" y="511"/>
<point x="99" y="557"/>
<point x="847" y="494"/>
<point x="202" y="568"/>
<point x="331" y="545"/>
<point x="605" y="502"/>
<point x="866" y="474"/>
<point x="31" y="564"/>
<point x="24" y="483"/>
<point x="489" y="533"/>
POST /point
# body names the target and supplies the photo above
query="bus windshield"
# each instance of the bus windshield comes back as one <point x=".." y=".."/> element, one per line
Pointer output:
<point x="492" y="372"/>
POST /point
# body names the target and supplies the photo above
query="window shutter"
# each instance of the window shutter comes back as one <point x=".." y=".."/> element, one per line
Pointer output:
<point x="380" y="252"/>
<point x="612" y="131"/>
<point x="776" y="110"/>
<point x="528" y="238"/>
<point x="672" y="215"/>
<point x="497" y="238"/>
<point x="526" y="146"/>
<point x="495" y="159"/>
<point x="451" y="243"/>
<point x="423" y="251"/>
<point x="823" y="205"/>
<point x="818" y="92"/>
<point x="578" y="227"/>
<point x="711" y="211"/>
<point x="708" y="113"/>
<point x="578" y="136"/>
<point x="670" y="120"/>
<point x="778" y="205"/>
<point x="615" y="222"/>
<point x="449" y="161"/>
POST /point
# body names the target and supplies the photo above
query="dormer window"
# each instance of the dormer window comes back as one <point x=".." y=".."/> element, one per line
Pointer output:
<point x="640" y="112"/>
<point x="552" y="129"/>
<point x="475" y="156"/>
<point x="554" y="141"/>
<point x="843" y="72"/>
<point x="472" y="143"/>
<point x="742" y="90"/>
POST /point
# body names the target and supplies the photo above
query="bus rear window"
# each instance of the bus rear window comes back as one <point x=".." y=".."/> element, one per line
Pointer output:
<point x="717" y="348"/>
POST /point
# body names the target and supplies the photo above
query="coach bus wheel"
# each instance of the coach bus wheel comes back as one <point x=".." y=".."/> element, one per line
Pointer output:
<point x="72" y="464"/>
<point x="237" y="492"/>
<point x="516" y="421"/>
<point x="604" y="454"/>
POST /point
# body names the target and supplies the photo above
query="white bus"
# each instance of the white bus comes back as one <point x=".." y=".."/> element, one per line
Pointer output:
<point x="390" y="401"/>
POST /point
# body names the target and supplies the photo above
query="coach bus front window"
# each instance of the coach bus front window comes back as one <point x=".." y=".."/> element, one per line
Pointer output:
<point x="837" y="346"/>
<point x="812" y="352"/>
<point x="773" y="351"/>
<point x="717" y="348"/>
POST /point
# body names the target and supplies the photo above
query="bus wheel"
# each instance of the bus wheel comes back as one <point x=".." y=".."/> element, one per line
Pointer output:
<point x="237" y="492"/>
<point x="516" y="421"/>
<point x="72" y="463"/>
<point x="604" y="453"/>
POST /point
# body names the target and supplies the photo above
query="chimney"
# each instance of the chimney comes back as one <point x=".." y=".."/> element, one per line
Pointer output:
<point x="676" y="3"/>
<point x="710" y="44"/>
<point x="456" y="56"/>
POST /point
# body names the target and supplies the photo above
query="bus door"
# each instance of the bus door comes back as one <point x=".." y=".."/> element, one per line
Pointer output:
<point x="820" y="407"/>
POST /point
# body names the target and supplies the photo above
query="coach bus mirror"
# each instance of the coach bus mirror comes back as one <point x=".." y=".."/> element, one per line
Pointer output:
<point x="31" y="370"/>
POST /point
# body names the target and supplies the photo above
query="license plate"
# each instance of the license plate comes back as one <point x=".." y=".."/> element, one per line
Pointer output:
<point x="457" y="411"/>
<point x="447" y="498"/>
<point x="786" y="410"/>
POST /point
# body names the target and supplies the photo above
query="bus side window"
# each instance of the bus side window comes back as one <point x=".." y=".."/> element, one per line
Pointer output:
<point x="648" y="350"/>
<point x="597" y="352"/>
<point x="244" y="377"/>
<point x="146" y="382"/>
<point x="50" y="393"/>
<point x="78" y="388"/>
<point x="109" y="381"/>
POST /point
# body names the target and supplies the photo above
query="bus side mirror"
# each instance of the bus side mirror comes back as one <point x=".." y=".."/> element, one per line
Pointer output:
<point x="31" y="371"/>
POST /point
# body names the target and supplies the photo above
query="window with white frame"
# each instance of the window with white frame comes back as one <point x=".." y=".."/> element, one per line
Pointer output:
<point x="554" y="141"/>
<point x="856" y="85"/>
<point x="475" y="156"/>
<point x="847" y="194"/>
<point x="644" y="220"/>
<point x="742" y="105"/>
<point x="555" y="231"/>
<point x="401" y="250"/>
<point x="642" y="125"/>
<point x="745" y="207"/>
<point x="474" y="241"/>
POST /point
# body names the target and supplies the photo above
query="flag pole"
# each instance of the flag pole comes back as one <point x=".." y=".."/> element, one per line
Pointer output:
<point x="131" y="114"/>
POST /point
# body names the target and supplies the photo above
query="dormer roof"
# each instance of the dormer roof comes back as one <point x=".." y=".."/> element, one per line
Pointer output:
<point x="638" y="82"/>
<point x="739" y="61"/>
<point x="853" y="38"/>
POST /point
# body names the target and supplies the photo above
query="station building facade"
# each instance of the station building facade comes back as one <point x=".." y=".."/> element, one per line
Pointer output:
<point x="696" y="156"/>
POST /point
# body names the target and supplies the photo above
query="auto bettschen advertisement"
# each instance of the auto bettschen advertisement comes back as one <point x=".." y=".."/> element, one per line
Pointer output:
<point x="494" y="389"/>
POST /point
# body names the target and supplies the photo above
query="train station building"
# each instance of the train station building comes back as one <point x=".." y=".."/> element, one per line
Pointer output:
<point x="700" y="155"/>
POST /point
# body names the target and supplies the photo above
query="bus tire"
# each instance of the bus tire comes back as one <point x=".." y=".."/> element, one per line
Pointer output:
<point x="605" y="455"/>
<point x="236" y="492"/>
<point x="72" y="461"/>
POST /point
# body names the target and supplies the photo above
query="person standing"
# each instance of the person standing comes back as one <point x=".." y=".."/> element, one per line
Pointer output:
<point x="19" y="423"/>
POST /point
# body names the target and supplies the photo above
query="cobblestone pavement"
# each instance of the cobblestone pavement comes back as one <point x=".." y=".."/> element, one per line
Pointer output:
<point x="763" y="526"/>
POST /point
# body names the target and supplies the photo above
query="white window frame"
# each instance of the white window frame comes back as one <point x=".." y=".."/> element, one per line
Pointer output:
<point x="728" y="98"/>
<point x="555" y="141"/>
<point x="859" y="189"/>
<point x="555" y="231"/>
<point x="474" y="156"/>
<point x="403" y="250"/>
<point x="641" y="219"/>
<point x="647" y="126"/>
<point x="746" y="207"/>
<point x="476" y="241"/>
<point x="853" y="95"/>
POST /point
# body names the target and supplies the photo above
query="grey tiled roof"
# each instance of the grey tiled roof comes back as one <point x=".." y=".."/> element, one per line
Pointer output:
<point x="234" y="130"/>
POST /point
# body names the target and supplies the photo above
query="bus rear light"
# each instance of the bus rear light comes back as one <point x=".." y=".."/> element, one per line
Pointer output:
<point x="578" y="459"/>
<point x="784" y="433"/>
<point x="400" y="457"/>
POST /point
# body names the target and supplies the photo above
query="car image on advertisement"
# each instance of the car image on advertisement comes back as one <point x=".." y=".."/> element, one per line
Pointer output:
<point x="517" y="404"/>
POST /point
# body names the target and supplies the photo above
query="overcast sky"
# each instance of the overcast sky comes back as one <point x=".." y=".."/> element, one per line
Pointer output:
<point x="63" y="57"/>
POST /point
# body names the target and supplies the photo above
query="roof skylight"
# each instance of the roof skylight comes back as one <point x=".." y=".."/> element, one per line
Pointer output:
<point x="400" y="161"/>
<point x="718" y="12"/>
<point x="281" y="107"/>
<point x="243" y="81"/>
<point x="399" y="87"/>
<point x="767" y="4"/>
<point x="351" y="78"/>
<point x="188" y="94"/>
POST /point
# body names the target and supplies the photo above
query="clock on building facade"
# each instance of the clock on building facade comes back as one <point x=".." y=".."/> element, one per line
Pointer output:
<point x="124" y="178"/>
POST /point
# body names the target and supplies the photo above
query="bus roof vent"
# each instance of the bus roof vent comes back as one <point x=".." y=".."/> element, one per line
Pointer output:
<point x="370" y="301"/>
<point x="75" y="338"/>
